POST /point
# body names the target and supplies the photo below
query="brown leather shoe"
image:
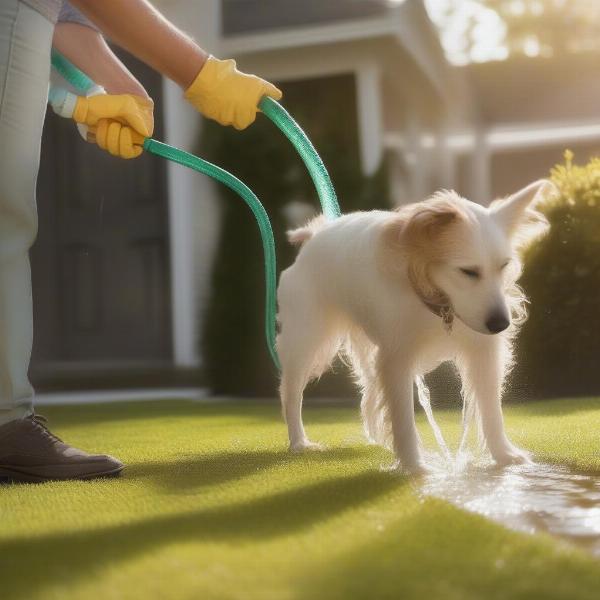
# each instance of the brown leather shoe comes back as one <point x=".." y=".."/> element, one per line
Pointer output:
<point x="30" y="452"/>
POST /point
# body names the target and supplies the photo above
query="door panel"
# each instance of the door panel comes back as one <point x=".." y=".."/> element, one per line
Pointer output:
<point x="100" y="263"/>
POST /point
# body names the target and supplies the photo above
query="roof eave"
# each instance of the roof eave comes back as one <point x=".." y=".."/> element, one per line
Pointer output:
<point x="297" y="37"/>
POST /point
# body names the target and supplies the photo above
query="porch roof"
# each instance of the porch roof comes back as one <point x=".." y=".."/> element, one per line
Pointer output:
<point x="405" y="23"/>
<point x="246" y="16"/>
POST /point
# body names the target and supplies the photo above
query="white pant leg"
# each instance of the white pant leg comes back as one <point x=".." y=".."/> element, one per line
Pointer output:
<point x="25" y="43"/>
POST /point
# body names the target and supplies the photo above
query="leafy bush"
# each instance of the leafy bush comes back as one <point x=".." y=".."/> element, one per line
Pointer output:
<point x="559" y="346"/>
<point x="236" y="358"/>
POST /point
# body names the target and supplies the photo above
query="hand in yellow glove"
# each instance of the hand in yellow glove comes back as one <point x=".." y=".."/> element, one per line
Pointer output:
<point x="135" y="111"/>
<point x="228" y="96"/>
<point x="117" y="139"/>
<point x="117" y="123"/>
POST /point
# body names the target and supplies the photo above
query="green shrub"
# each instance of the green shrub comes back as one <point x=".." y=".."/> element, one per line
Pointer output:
<point x="559" y="347"/>
<point x="236" y="358"/>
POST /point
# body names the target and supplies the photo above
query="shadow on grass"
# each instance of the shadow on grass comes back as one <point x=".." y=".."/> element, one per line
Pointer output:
<point x="27" y="565"/>
<point x="191" y="472"/>
<point x="442" y="552"/>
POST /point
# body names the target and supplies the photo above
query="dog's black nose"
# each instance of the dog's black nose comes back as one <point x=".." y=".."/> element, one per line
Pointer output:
<point x="497" y="323"/>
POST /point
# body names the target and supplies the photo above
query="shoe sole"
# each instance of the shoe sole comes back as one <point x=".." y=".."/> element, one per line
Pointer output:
<point x="8" y="475"/>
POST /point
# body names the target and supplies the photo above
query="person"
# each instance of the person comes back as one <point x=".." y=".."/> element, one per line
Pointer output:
<point x="29" y="451"/>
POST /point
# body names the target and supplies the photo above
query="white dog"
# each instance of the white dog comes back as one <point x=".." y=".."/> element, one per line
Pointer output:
<point x="399" y="292"/>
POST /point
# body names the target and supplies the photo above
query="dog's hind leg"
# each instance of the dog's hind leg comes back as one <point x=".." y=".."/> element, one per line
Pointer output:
<point x="292" y="386"/>
<point x="306" y="346"/>
<point x="301" y="354"/>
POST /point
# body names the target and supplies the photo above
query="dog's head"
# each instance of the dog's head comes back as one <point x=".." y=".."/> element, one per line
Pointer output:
<point x="462" y="254"/>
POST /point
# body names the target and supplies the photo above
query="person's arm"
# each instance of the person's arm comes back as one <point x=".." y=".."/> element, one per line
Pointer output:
<point x="113" y="119"/>
<point x="139" y="28"/>
<point x="86" y="49"/>
<point x="214" y="87"/>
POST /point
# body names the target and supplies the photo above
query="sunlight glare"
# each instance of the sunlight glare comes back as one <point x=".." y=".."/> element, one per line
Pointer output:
<point x="455" y="18"/>
<point x="531" y="46"/>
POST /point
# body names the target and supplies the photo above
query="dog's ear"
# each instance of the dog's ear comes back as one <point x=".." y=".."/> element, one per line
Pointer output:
<point x="423" y="240"/>
<point x="518" y="216"/>
<point x="415" y="236"/>
<point x="414" y="228"/>
<point x="428" y="221"/>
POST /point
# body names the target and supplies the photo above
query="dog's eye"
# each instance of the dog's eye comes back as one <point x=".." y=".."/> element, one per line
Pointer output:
<point x="505" y="265"/>
<point x="472" y="273"/>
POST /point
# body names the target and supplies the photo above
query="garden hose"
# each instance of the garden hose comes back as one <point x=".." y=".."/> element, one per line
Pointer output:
<point x="62" y="103"/>
<point x="294" y="133"/>
<point x="70" y="73"/>
<point x="260" y="214"/>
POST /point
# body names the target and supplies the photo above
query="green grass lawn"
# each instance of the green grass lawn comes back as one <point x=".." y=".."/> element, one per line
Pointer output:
<point x="212" y="506"/>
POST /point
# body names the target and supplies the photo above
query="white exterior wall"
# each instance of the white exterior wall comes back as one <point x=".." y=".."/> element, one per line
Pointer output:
<point x="193" y="207"/>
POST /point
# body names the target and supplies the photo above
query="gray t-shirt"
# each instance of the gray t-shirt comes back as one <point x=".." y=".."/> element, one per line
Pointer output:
<point x="57" y="10"/>
<point x="69" y="14"/>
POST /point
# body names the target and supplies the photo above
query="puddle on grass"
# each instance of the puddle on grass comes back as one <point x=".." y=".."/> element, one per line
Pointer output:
<point x="531" y="498"/>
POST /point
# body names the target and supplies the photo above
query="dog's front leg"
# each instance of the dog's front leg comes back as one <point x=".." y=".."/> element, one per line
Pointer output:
<point x="397" y="383"/>
<point x="482" y="376"/>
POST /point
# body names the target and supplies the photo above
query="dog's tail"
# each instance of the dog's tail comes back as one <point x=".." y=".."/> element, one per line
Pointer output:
<point x="300" y="236"/>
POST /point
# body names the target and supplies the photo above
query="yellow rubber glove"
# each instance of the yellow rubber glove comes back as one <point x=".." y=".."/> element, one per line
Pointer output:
<point x="228" y="96"/>
<point x="135" y="111"/>
<point x="117" y="139"/>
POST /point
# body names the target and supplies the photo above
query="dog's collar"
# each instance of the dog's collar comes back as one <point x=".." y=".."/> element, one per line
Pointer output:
<point x="442" y="308"/>
<point x="443" y="311"/>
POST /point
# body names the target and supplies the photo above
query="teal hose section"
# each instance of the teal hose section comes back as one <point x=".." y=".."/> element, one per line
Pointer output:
<point x="69" y="72"/>
<point x="284" y="121"/>
<point x="260" y="214"/>
<point x="82" y="83"/>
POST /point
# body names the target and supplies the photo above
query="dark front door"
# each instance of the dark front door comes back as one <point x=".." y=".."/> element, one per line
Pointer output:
<point x="100" y="263"/>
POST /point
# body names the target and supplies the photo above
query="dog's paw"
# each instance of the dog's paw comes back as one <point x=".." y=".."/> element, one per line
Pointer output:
<point x="306" y="446"/>
<point x="511" y="455"/>
<point x="413" y="469"/>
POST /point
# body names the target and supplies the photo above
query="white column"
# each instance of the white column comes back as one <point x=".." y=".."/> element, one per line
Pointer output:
<point x="416" y="157"/>
<point x="193" y="206"/>
<point x="481" y="184"/>
<point x="370" y="118"/>
<point x="399" y="177"/>
<point x="446" y="155"/>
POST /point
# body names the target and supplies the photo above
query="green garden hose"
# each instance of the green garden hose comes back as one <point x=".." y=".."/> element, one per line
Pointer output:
<point x="69" y="72"/>
<point x="294" y="133"/>
<point x="260" y="214"/>
<point x="280" y="117"/>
